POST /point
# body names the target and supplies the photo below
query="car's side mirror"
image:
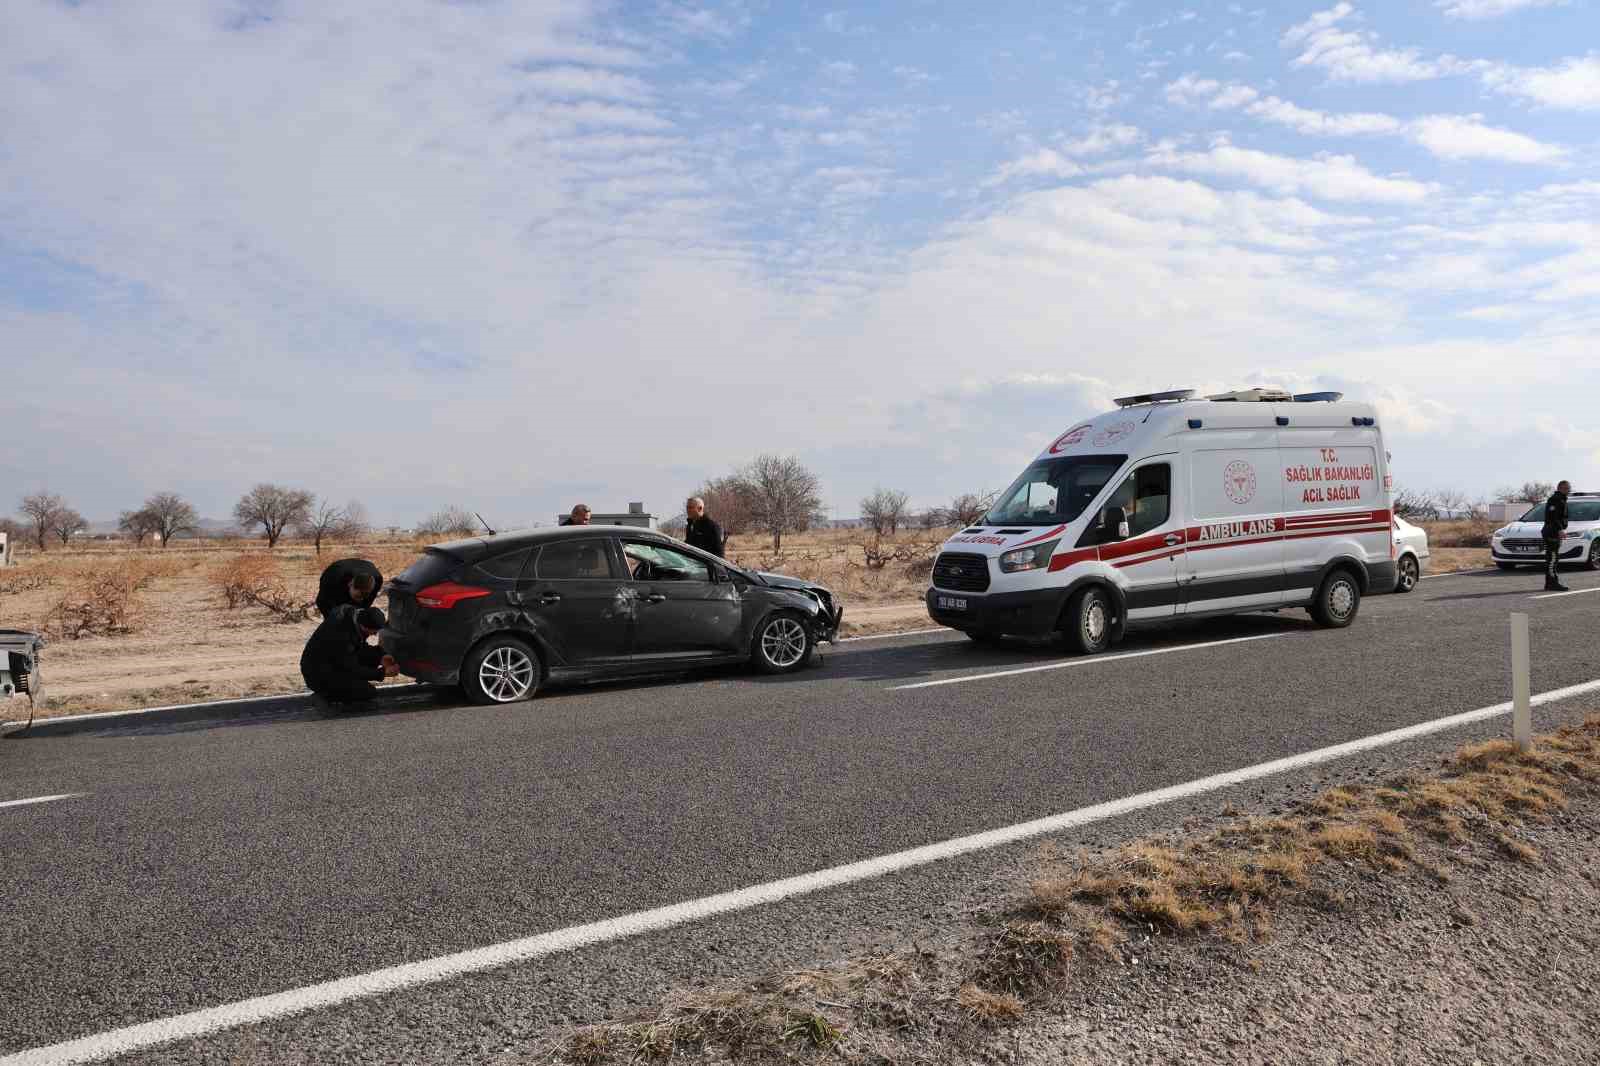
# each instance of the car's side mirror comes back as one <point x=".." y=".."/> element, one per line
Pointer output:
<point x="1115" y="523"/>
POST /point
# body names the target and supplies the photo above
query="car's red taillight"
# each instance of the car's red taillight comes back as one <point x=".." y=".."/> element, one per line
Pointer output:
<point x="447" y="594"/>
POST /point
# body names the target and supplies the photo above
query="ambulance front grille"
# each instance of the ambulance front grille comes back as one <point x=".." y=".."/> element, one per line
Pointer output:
<point x="961" y="572"/>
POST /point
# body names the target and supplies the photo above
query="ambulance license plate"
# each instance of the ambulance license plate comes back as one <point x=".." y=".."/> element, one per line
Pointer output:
<point x="952" y="603"/>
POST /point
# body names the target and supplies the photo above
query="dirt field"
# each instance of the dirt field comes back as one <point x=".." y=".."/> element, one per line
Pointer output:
<point x="158" y="628"/>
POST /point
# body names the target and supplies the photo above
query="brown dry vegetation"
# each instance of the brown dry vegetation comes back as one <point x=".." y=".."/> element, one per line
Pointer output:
<point x="1077" y="913"/>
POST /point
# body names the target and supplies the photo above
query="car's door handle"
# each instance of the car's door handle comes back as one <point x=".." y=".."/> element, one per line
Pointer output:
<point x="550" y="597"/>
<point x="1174" y="538"/>
<point x="655" y="597"/>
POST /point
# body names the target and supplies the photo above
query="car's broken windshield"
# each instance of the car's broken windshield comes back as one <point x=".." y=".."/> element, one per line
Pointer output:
<point x="1053" y="491"/>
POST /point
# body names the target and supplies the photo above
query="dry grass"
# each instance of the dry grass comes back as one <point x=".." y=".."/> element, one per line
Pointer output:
<point x="1460" y="532"/>
<point x="1080" y="912"/>
<point x="102" y="598"/>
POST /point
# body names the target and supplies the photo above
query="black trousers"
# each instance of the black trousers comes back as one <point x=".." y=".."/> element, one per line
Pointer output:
<point x="1552" y="549"/>
<point x="348" y="692"/>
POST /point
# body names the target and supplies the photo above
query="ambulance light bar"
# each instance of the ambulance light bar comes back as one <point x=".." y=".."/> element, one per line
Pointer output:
<point x="1155" y="397"/>
<point x="1318" y="397"/>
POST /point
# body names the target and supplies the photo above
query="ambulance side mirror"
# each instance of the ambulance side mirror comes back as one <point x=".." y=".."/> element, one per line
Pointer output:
<point x="1115" y="523"/>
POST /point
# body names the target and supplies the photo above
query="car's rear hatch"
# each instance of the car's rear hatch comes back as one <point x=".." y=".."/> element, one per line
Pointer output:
<point x="435" y="566"/>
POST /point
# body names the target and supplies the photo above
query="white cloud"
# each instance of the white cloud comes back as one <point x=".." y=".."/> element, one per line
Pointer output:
<point x="840" y="71"/>
<point x="1102" y="139"/>
<point x="588" y="81"/>
<point x="912" y="75"/>
<point x="815" y="113"/>
<point x="1465" y="137"/>
<point x="1351" y="55"/>
<point x="1195" y="91"/>
<point x="702" y="21"/>
<point x="1488" y="9"/>
<point x="1326" y="177"/>
<point x="1046" y="162"/>
<point x="1573" y="84"/>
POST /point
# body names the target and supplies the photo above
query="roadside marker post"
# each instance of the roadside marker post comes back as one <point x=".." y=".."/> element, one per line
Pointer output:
<point x="1521" y="686"/>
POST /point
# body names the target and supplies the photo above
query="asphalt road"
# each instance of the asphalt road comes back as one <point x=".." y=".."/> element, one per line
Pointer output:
<point x="205" y="864"/>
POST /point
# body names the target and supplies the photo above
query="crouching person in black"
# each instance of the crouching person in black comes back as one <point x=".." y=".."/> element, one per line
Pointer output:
<point x="349" y="581"/>
<point x="338" y="664"/>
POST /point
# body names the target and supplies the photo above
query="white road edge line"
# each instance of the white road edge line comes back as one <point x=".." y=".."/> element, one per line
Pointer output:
<point x="1572" y="592"/>
<point x="196" y="706"/>
<point x="40" y="799"/>
<point x="1090" y="661"/>
<point x="430" y="971"/>
<point x="1458" y="573"/>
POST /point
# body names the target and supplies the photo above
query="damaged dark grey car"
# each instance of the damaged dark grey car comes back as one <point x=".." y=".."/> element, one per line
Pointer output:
<point x="500" y="615"/>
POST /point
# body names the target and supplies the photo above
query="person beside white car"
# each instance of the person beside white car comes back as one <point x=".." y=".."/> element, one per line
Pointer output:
<point x="1521" y="543"/>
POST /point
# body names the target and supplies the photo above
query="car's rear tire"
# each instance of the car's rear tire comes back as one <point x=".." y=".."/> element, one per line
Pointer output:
<point x="783" y="643"/>
<point x="503" y="669"/>
<point x="1338" y="600"/>
<point x="1088" y="621"/>
<point x="1407" y="573"/>
<point x="1592" y="560"/>
<point x="1506" y="566"/>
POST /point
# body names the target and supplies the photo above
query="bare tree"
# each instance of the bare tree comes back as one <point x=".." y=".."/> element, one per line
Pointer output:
<point x="448" y="521"/>
<point x="1531" y="492"/>
<point x="727" y="501"/>
<point x="330" y="522"/>
<point x="170" y="515"/>
<point x="1415" y="505"/>
<point x="66" y="523"/>
<point x="1456" y="504"/>
<point x="784" y="496"/>
<point x="40" y="511"/>
<point x="274" y="508"/>
<point x="137" y="524"/>
<point x="964" y="510"/>
<point x="884" y="510"/>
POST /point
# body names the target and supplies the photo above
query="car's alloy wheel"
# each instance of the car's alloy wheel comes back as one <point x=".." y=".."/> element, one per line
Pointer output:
<point x="1088" y="622"/>
<point x="1593" y="561"/>
<point x="503" y="670"/>
<point x="783" y="643"/>
<point x="1338" y="600"/>
<point x="1410" y="574"/>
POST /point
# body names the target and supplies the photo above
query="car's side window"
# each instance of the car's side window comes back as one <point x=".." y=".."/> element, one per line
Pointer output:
<point x="1146" y="495"/>
<point x="653" y="562"/>
<point x="507" y="566"/>
<point x="575" y="560"/>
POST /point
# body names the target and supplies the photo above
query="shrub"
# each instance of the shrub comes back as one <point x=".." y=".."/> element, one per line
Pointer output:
<point x="104" y="601"/>
<point x="241" y="575"/>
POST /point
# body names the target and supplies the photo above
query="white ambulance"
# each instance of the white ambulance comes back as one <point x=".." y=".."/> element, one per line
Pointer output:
<point x="1174" y="507"/>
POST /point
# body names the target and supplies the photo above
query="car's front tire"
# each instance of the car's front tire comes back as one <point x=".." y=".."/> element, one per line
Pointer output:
<point x="503" y="669"/>
<point x="1088" y="621"/>
<point x="1337" y="600"/>
<point x="782" y="644"/>
<point x="1407" y="573"/>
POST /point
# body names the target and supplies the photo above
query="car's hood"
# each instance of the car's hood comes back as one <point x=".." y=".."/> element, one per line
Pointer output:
<point x="784" y="581"/>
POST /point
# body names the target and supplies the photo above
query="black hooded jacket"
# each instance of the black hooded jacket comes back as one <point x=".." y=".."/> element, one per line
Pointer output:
<point x="337" y="657"/>
<point x="333" y="588"/>
<point x="1555" y="516"/>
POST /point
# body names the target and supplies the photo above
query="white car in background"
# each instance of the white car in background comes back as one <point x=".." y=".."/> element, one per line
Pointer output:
<point x="1522" y="542"/>
<point x="1410" y="551"/>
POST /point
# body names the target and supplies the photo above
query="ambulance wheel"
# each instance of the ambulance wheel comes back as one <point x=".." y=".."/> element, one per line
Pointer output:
<point x="1088" y="622"/>
<point x="1506" y="566"/>
<point x="1410" y="572"/>
<point x="1337" y="600"/>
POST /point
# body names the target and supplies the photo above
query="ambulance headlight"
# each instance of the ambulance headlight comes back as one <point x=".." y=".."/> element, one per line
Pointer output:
<point x="1033" y="557"/>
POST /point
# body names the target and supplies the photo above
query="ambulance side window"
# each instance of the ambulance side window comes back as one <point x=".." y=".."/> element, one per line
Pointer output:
<point x="1146" y="495"/>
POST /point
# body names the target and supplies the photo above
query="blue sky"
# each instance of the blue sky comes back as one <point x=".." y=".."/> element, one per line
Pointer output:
<point x="511" y="255"/>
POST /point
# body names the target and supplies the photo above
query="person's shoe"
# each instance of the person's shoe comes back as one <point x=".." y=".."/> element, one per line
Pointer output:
<point x="1555" y="586"/>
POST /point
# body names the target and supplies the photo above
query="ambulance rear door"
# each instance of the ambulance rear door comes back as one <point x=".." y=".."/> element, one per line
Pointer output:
<point x="1234" y="557"/>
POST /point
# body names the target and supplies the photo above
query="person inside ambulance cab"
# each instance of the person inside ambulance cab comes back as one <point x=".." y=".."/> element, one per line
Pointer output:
<point x="1144" y="497"/>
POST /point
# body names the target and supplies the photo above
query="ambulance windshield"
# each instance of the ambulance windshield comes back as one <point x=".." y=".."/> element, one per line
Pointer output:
<point x="1052" y="491"/>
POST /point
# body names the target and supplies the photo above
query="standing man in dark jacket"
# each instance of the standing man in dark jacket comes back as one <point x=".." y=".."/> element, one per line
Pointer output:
<point x="338" y="663"/>
<point x="699" y="530"/>
<point x="1555" y="523"/>
<point x="348" y="582"/>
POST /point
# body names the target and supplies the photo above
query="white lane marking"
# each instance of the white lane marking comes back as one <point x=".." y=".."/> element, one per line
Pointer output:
<point x="40" y="799"/>
<point x="901" y="633"/>
<point x="1090" y="661"/>
<point x="1573" y="592"/>
<point x="430" y="971"/>
<point x="1457" y="573"/>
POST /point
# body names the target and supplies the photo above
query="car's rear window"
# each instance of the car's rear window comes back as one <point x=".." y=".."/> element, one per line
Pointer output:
<point x="507" y="566"/>
<point x="433" y="567"/>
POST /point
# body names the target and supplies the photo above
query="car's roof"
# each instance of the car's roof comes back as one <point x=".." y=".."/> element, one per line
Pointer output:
<point x="472" y="548"/>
